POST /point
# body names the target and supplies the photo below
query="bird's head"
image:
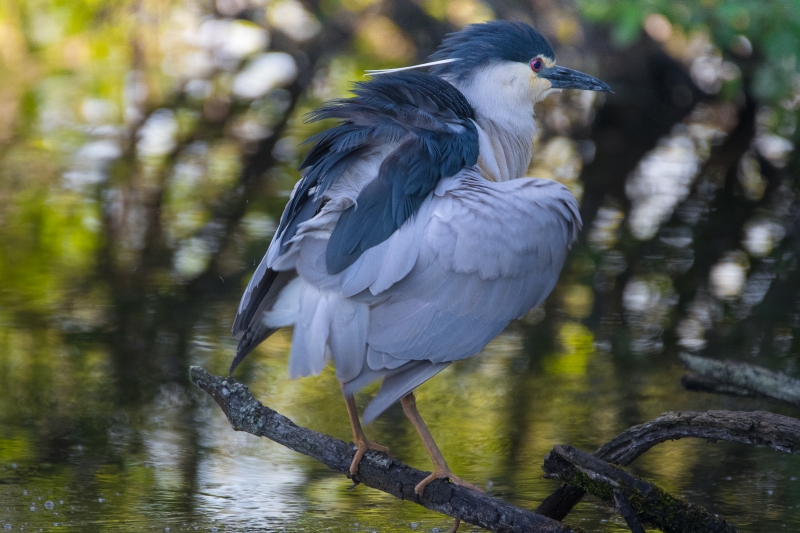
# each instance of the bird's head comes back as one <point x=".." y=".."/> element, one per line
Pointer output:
<point x="506" y="60"/>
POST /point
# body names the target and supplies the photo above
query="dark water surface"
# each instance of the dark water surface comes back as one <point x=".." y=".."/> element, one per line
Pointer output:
<point x="146" y="152"/>
<point x="74" y="457"/>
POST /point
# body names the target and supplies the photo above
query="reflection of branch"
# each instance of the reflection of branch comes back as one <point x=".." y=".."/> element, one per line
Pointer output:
<point x="376" y="470"/>
<point x="612" y="484"/>
<point x="226" y="214"/>
<point x="740" y="379"/>
<point x="781" y="433"/>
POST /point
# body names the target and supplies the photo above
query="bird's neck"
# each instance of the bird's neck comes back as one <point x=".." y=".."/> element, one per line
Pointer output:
<point x="504" y="111"/>
<point x="505" y="153"/>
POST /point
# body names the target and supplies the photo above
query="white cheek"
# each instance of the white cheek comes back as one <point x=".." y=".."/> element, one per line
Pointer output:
<point x="512" y="80"/>
<point x="503" y="91"/>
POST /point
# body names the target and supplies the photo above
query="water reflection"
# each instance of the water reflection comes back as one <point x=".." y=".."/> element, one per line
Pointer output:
<point x="664" y="177"/>
<point x="176" y="463"/>
<point x="146" y="152"/>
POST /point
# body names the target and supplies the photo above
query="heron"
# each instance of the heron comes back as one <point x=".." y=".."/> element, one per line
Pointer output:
<point x="413" y="237"/>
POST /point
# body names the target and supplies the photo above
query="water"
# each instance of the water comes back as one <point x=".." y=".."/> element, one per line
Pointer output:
<point x="138" y="190"/>
<point x="71" y="455"/>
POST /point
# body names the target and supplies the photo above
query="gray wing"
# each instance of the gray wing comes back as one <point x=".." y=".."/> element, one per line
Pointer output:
<point x="477" y="255"/>
<point x="362" y="179"/>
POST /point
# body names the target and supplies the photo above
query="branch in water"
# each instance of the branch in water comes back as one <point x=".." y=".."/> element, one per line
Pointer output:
<point x="376" y="470"/>
<point x="781" y="433"/>
<point x="612" y="484"/>
<point x="740" y="379"/>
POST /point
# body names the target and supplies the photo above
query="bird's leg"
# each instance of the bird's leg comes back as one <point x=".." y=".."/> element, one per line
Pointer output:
<point x="359" y="439"/>
<point x="440" y="468"/>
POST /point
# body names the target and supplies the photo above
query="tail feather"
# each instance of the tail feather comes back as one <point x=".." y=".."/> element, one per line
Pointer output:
<point x="308" y="354"/>
<point x="254" y="336"/>
<point x="251" y="319"/>
<point x="256" y="291"/>
<point x="396" y="386"/>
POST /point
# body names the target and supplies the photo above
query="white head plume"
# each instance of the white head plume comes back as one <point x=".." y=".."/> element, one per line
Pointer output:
<point x="423" y="65"/>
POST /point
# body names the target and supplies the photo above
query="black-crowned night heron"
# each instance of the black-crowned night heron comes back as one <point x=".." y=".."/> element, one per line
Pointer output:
<point x="410" y="242"/>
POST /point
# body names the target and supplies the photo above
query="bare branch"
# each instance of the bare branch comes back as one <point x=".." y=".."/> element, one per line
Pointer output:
<point x="781" y="433"/>
<point x="376" y="470"/>
<point x="741" y="379"/>
<point x="650" y="503"/>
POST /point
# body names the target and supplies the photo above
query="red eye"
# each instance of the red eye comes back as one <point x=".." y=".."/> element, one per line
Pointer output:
<point x="536" y="64"/>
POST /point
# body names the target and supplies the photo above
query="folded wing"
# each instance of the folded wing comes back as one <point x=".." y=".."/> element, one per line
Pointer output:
<point x="362" y="179"/>
<point x="481" y="254"/>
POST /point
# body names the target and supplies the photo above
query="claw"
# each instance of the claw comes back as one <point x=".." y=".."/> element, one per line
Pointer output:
<point x="362" y="447"/>
<point x="442" y="474"/>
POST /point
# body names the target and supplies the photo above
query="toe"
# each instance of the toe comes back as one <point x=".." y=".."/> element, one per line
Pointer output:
<point x="461" y="483"/>
<point x="357" y="460"/>
<point x="377" y="447"/>
<point x="362" y="448"/>
<point x="420" y="488"/>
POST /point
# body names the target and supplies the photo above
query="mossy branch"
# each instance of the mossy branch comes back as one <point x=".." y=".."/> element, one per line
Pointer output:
<point x="612" y="484"/>
<point x="376" y="470"/>
<point x="781" y="433"/>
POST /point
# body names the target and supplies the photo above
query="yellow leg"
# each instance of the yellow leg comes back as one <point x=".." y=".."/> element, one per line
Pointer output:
<point x="359" y="439"/>
<point x="440" y="468"/>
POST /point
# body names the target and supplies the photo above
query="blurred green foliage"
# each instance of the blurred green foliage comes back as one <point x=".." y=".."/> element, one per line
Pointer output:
<point x="772" y="27"/>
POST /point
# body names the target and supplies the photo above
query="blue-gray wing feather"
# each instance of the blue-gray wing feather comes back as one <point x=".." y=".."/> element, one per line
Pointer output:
<point x="434" y="122"/>
<point x="488" y="253"/>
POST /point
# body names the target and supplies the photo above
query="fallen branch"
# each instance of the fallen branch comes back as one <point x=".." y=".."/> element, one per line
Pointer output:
<point x="781" y="433"/>
<point x="741" y="379"/>
<point x="698" y="383"/>
<point x="376" y="470"/>
<point x="627" y="512"/>
<point x="612" y="484"/>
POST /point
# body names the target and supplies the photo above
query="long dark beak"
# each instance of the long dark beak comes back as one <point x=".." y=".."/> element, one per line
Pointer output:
<point x="566" y="78"/>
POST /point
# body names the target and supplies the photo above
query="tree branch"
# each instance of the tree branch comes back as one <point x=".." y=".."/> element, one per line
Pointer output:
<point x="740" y="379"/>
<point x="650" y="503"/>
<point x="376" y="470"/>
<point x="781" y="433"/>
<point x="627" y="512"/>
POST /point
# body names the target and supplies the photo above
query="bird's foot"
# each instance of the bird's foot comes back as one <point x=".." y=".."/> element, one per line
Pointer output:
<point x="363" y="445"/>
<point x="440" y="473"/>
